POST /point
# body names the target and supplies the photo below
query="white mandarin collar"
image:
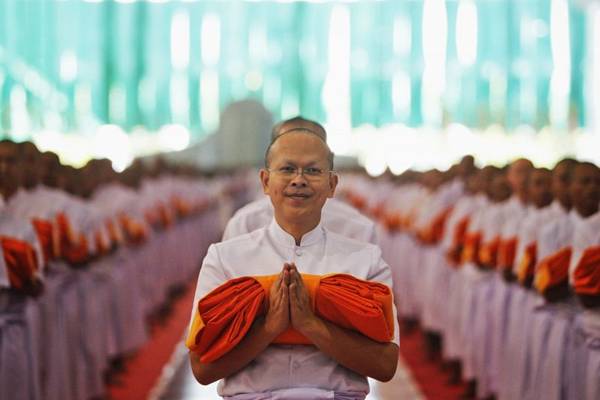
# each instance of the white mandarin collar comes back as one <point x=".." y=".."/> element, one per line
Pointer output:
<point x="282" y="237"/>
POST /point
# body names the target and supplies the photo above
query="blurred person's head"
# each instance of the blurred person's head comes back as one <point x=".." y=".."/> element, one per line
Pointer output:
<point x="466" y="167"/>
<point x="500" y="187"/>
<point x="585" y="189"/>
<point x="10" y="168"/>
<point x="30" y="158"/>
<point x="518" y="173"/>
<point x="540" y="187"/>
<point x="562" y="176"/>
<point x="298" y="123"/>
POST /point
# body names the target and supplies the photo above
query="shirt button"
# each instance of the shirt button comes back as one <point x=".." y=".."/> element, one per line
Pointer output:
<point x="298" y="252"/>
<point x="296" y="365"/>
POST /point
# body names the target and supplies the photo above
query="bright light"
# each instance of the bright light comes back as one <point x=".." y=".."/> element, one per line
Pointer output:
<point x="253" y="80"/>
<point x="180" y="40"/>
<point x="401" y="94"/>
<point x="560" y="82"/>
<point x="402" y="36"/>
<point x="173" y="137"/>
<point x="209" y="100"/>
<point x="117" y="107"/>
<point x="180" y="99"/>
<point x="110" y="141"/>
<point x="435" y="34"/>
<point x="20" y="123"/>
<point x="336" y="88"/>
<point x="466" y="32"/>
<point x="68" y="66"/>
<point x="593" y="65"/>
<point x="210" y="39"/>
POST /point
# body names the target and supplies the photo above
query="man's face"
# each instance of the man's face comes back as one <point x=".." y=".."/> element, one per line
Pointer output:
<point x="298" y="199"/>
<point x="518" y="174"/>
<point x="561" y="180"/>
<point x="9" y="168"/>
<point x="540" y="184"/>
<point x="585" y="189"/>
<point x="500" y="188"/>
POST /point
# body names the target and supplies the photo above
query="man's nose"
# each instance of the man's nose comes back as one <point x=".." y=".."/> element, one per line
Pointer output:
<point x="299" y="180"/>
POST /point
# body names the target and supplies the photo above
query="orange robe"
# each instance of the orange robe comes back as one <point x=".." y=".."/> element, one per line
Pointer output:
<point x="21" y="261"/>
<point x="586" y="278"/>
<point x="223" y="317"/>
<point x="553" y="270"/>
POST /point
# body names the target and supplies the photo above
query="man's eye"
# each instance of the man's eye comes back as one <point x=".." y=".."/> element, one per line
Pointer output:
<point x="287" y="170"/>
<point x="313" y="171"/>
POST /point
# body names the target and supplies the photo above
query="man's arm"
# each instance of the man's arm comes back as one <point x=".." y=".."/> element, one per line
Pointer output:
<point x="260" y="335"/>
<point x="350" y="349"/>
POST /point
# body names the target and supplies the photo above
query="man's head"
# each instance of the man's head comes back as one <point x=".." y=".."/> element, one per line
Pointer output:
<point x="298" y="197"/>
<point x="298" y="123"/>
<point x="562" y="175"/>
<point x="499" y="189"/>
<point x="10" y="177"/>
<point x="585" y="189"/>
<point x="539" y="189"/>
<point x="517" y="176"/>
<point x="466" y="167"/>
<point x="30" y="158"/>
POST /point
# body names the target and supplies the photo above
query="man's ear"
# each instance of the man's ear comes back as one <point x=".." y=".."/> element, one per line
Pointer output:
<point x="333" y="182"/>
<point x="264" y="180"/>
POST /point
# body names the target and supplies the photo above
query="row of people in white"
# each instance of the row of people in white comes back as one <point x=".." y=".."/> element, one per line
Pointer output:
<point x="476" y="286"/>
<point x="128" y="247"/>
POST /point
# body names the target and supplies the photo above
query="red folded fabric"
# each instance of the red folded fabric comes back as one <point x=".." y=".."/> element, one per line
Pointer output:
<point x="526" y="266"/>
<point x="21" y="261"/>
<point x="223" y="317"/>
<point x="553" y="270"/>
<point x="488" y="253"/>
<point x="471" y="250"/>
<point x="45" y="234"/>
<point x="507" y="250"/>
<point x="586" y="278"/>
<point x="73" y="246"/>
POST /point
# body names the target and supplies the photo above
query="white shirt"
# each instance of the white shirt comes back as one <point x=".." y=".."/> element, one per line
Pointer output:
<point x="263" y="252"/>
<point x="336" y="216"/>
<point x="586" y="233"/>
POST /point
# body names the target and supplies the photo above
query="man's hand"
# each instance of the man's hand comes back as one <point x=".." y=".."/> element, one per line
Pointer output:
<point x="301" y="313"/>
<point x="277" y="319"/>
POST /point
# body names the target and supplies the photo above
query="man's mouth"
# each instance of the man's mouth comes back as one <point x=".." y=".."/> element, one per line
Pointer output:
<point x="298" y="195"/>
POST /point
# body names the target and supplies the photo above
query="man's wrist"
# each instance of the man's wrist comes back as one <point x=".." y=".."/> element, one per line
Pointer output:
<point x="312" y="328"/>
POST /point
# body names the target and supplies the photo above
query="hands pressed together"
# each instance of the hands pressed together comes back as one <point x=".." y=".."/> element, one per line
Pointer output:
<point x="289" y="303"/>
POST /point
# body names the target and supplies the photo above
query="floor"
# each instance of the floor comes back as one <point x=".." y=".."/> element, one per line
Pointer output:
<point x="178" y="383"/>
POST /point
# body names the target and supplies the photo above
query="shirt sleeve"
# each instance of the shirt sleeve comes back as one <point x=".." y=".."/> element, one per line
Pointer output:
<point x="211" y="275"/>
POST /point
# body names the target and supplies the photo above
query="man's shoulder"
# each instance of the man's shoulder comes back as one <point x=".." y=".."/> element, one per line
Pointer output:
<point x="243" y="241"/>
<point x="349" y="244"/>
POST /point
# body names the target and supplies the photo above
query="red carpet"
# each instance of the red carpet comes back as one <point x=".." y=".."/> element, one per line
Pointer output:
<point x="428" y="374"/>
<point x="144" y="368"/>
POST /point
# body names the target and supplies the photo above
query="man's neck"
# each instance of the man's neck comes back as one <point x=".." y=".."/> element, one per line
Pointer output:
<point x="297" y="229"/>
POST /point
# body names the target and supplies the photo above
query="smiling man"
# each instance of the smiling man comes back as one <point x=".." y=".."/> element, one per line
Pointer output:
<point x="298" y="177"/>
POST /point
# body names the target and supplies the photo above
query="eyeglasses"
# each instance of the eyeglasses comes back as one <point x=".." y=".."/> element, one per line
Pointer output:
<point x="310" y="173"/>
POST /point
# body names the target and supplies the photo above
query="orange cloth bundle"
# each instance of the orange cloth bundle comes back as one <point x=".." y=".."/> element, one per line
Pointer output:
<point x="526" y="266"/>
<point x="586" y="278"/>
<point x="223" y="317"/>
<point x="553" y="270"/>
<point x="506" y="253"/>
<point x="74" y="247"/>
<point x="392" y="222"/>
<point x="458" y="241"/>
<point x="471" y="250"/>
<point x="21" y="262"/>
<point x="45" y="234"/>
<point x="488" y="253"/>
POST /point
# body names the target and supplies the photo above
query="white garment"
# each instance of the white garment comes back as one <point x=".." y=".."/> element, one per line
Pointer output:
<point x="336" y="216"/>
<point x="263" y="252"/>
<point x="586" y="234"/>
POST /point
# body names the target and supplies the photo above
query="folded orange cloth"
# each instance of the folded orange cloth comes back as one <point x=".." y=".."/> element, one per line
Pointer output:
<point x="458" y="241"/>
<point x="393" y="222"/>
<point x="586" y="278"/>
<point x="223" y="317"/>
<point x="526" y="266"/>
<point x="507" y="250"/>
<point x="471" y="250"/>
<point x="553" y="270"/>
<point x="488" y="253"/>
<point x="21" y="261"/>
<point x="45" y="233"/>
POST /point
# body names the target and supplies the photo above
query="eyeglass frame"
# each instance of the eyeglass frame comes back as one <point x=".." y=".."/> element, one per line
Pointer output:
<point x="300" y="171"/>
